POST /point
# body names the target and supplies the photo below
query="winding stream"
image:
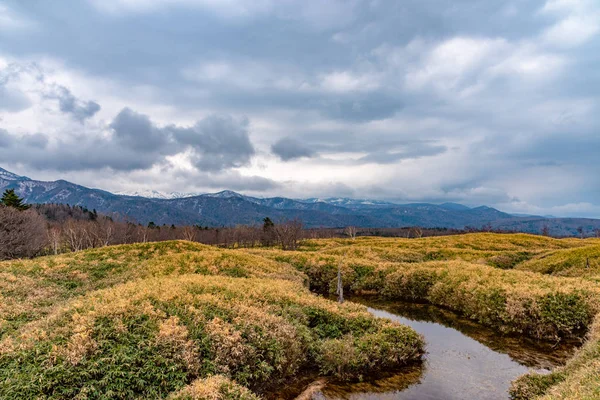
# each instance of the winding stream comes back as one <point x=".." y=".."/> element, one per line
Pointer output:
<point x="464" y="360"/>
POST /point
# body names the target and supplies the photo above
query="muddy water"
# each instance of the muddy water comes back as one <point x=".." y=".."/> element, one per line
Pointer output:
<point x="464" y="360"/>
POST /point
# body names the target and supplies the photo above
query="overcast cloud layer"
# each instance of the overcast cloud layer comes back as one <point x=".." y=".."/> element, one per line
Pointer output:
<point x="481" y="102"/>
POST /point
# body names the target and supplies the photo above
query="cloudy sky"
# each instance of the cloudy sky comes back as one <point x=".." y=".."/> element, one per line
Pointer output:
<point x="492" y="102"/>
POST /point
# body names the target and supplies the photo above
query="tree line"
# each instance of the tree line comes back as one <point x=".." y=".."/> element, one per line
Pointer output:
<point x="28" y="230"/>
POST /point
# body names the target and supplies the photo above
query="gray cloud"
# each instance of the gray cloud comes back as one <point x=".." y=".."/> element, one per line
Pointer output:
<point x="415" y="150"/>
<point x="232" y="180"/>
<point x="68" y="103"/>
<point x="37" y="140"/>
<point x="5" y="138"/>
<point x="219" y="142"/>
<point x="137" y="132"/>
<point x="290" y="149"/>
<point x="504" y="85"/>
<point x="11" y="99"/>
<point x="368" y="107"/>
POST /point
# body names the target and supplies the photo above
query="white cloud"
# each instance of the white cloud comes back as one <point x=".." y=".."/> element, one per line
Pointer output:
<point x="337" y="81"/>
<point x="447" y="65"/>
<point x="244" y="74"/>
<point x="463" y="67"/>
<point x="346" y="81"/>
<point x="578" y="21"/>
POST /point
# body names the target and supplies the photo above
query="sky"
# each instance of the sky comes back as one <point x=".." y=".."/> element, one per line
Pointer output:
<point x="477" y="102"/>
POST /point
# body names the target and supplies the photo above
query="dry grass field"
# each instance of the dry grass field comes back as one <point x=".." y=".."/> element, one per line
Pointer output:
<point x="181" y="320"/>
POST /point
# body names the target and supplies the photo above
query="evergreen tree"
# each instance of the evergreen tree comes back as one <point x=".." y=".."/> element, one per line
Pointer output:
<point x="10" y="199"/>
<point x="268" y="224"/>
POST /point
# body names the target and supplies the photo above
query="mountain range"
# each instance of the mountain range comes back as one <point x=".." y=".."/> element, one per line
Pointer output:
<point x="228" y="208"/>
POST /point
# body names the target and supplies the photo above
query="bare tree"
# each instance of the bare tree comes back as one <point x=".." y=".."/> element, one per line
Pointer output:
<point x="417" y="232"/>
<point x="351" y="232"/>
<point x="75" y="235"/>
<point x="190" y="233"/>
<point x="143" y="233"/>
<point x="105" y="229"/>
<point x="545" y="230"/>
<point x="54" y="234"/>
<point x="289" y="233"/>
<point x="22" y="233"/>
<point x="580" y="231"/>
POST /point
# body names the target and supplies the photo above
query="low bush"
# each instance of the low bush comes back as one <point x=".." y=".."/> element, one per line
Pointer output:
<point x="190" y="321"/>
<point x="149" y="338"/>
<point x="216" y="387"/>
<point x="511" y="301"/>
<point x="578" y="380"/>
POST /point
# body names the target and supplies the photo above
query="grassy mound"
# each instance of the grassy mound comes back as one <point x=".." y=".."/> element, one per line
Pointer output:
<point x="583" y="261"/>
<point x="472" y="241"/>
<point x="512" y="301"/>
<point x="29" y="289"/>
<point x="182" y="320"/>
<point x="149" y="338"/>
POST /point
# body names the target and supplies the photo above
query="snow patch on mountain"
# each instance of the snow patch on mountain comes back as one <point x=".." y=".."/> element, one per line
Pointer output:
<point x="155" y="194"/>
<point x="9" y="176"/>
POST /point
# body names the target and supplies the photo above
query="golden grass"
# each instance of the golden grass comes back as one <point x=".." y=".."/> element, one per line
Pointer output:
<point x="192" y="317"/>
<point x="581" y="262"/>
<point x="173" y="330"/>
<point x="578" y="380"/>
<point x="512" y="301"/>
<point x="473" y="241"/>
<point x="29" y="289"/>
<point x="216" y="387"/>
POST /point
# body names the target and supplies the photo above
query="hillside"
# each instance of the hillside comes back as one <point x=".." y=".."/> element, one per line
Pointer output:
<point x="228" y="208"/>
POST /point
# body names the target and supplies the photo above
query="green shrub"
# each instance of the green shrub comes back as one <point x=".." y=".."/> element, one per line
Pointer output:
<point x="530" y="386"/>
<point x="149" y="338"/>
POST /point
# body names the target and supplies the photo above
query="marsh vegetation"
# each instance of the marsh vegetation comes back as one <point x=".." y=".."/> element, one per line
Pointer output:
<point x="189" y="321"/>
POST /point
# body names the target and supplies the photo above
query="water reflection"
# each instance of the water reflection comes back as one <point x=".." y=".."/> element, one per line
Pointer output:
<point x="523" y="350"/>
<point x="464" y="360"/>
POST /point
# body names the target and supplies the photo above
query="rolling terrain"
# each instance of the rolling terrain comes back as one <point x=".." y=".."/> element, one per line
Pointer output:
<point x="181" y="320"/>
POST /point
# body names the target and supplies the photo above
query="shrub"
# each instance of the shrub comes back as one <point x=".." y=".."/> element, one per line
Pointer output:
<point x="578" y="380"/>
<point x="216" y="387"/>
<point x="148" y="338"/>
<point x="530" y="386"/>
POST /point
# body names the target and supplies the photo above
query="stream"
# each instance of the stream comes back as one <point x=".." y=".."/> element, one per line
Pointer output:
<point x="464" y="360"/>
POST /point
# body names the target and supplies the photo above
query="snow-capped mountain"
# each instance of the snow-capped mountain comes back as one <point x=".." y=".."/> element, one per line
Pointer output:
<point x="225" y="194"/>
<point x="228" y="208"/>
<point x="9" y="176"/>
<point x="155" y="194"/>
<point x="350" y="203"/>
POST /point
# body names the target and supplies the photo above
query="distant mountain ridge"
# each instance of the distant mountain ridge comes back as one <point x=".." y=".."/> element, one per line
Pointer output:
<point x="155" y="194"/>
<point x="228" y="208"/>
